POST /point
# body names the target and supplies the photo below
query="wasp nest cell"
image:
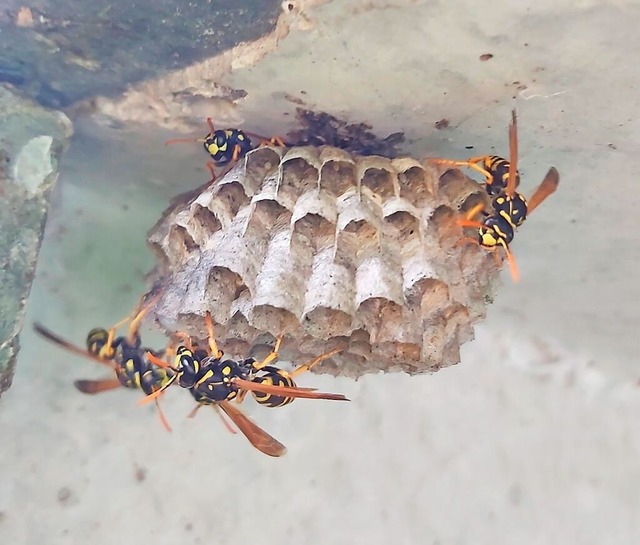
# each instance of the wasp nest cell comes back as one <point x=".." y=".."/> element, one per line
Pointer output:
<point x="333" y="250"/>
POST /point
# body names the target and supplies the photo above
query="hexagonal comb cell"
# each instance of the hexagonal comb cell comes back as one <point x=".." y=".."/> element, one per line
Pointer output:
<point x="331" y="250"/>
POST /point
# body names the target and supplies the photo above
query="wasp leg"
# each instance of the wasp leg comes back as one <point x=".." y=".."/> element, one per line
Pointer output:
<point x="213" y="345"/>
<point x="241" y="395"/>
<point x="212" y="168"/>
<point x="307" y="366"/>
<point x="278" y="141"/>
<point x="134" y="326"/>
<point x="169" y="351"/>
<point x="131" y="316"/>
<point x="226" y="423"/>
<point x="159" y="391"/>
<point x="511" y="260"/>
<point x="472" y="212"/>
<point x="471" y="163"/>
<point x="220" y="414"/>
<point x="134" y="318"/>
<point x="273" y="355"/>
<point x="224" y="420"/>
<point x="163" y="418"/>
<point x="513" y="266"/>
<point x="466" y="240"/>
<point x="470" y="224"/>
<point x="107" y="351"/>
<point x="185" y="338"/>
<point x="195" y="410"/>
<point x="154" y="360"/>
<point x="212" y="128"/>
<point x="273" y="141"/>
<point x="236" y="153"/>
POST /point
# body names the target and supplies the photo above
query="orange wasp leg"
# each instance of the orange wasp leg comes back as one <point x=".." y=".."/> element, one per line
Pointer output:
<point x="215" y="407"/>
<point x="471" y="163"/>
<point x="213" y="345"/>
<point x="307" y="366"/>
<point x="273" y="355"/>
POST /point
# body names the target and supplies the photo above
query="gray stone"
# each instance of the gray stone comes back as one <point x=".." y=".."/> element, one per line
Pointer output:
<point x="31" y="141"/>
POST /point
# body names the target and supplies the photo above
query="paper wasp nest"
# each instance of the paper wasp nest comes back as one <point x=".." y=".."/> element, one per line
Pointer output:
<point x="334" y="250"/>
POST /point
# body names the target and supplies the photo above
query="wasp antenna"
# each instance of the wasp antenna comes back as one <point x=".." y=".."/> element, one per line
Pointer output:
<point x="182" y="141"/>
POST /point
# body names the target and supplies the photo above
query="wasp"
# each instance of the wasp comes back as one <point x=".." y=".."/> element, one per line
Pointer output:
<point x="510" y="208"/>
<point x="213" y="380"/>
<point x="226" y="146"/>
<point x="124" y="355"/>
<point x="495" y="170"/>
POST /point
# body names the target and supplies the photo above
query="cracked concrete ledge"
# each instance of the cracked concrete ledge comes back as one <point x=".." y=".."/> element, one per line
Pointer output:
<point x="61" y="52"/>
<point x="183" y="98"/>
<point x="31" y="141"/>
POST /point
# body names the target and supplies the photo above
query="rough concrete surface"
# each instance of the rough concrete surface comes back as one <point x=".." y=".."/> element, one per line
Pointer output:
<point x="31" y="141"/>
<point x="532" y="439"/>
<point x="62" y="51"/>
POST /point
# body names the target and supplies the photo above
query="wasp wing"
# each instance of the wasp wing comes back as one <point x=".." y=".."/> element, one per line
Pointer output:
<point x="513" y="155"/>
<point x="97" y="386"/>
<point x="63" y="343"/>
<point x="286" y="391"/>
<point x="255" y="434"/>
<point x="546" y="188"/>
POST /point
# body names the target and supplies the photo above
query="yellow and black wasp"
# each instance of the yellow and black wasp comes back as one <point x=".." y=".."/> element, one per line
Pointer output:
<point x="494" y="169"/>
<point x="215" y="381"/>
<point x="124" y="355"/>
<point x="509" y="208"/>
<point x="226" y="146"/>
